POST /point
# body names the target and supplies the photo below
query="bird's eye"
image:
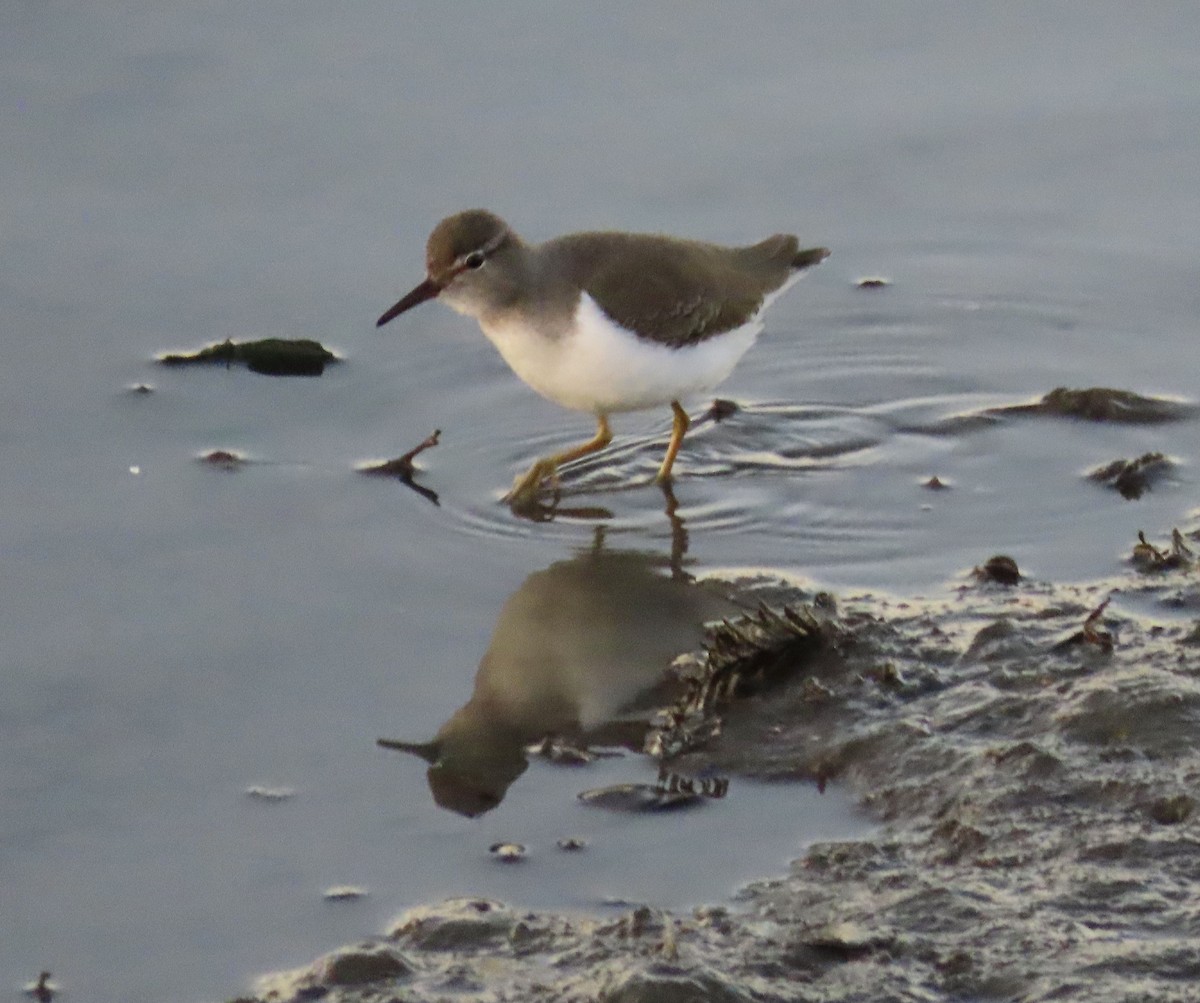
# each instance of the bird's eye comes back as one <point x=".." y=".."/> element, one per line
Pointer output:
<point x="474" y="260"/>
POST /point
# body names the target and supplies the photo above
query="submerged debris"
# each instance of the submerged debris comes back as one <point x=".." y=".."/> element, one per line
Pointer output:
<point x="1102" y="404"/>
<point x="224" y="459"/>
<point x="261" y="792"/>
<point x="269" y="356"/>
<point x="1133" y="478"/>
<point x="1000" y="569"/>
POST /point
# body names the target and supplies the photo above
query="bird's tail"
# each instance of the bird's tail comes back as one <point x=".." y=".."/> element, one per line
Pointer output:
<point x="811" y="256"/>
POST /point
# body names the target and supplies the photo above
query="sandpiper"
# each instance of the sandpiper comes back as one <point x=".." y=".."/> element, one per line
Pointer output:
<point x="607" y="322"/>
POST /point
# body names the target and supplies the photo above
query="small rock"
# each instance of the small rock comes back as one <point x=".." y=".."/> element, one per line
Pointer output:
<point x="262" y="793"/>
<point x="508" y="853"/>
<point x="572" y="844"/>
<point x="722" y="409"/>
<point x="1000" y="569"/>
<point x="935" y="483"/>
<point x="344" y="893"/>
<point x="873" y="282"/>
<point x="363" y="965"/>
<point x="223" y="459"/>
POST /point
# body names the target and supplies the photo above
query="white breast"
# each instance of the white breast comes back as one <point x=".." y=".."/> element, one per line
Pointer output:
<point x="597" y="366"/>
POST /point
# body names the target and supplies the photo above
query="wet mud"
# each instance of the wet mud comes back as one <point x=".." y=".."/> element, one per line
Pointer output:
<point x="1028" y="750"/>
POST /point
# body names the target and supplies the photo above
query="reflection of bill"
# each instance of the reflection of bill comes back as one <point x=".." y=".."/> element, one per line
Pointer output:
<point x="579" y="651"/>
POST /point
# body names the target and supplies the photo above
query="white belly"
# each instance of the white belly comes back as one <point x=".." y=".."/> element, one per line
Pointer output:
<point x="600" y="368"/>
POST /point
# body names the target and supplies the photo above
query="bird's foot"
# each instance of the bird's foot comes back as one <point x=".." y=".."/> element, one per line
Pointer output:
<point x="526" y="489"/>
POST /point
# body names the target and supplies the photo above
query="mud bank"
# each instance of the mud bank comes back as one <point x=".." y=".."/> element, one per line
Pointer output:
<point x="1034" y="767"/>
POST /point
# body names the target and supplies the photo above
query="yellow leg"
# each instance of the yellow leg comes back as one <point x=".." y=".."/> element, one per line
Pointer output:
<point x="678" y="430"/>
<point x="525" y="488"/>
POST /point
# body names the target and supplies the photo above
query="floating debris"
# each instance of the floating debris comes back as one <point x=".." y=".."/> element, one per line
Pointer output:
<point x="141" y="389"/>
<point x="269" y="356"/>
<point x="224" y="459"/>
<point x="1102" y="639"/>
<point x="403" y="467"/>
<point x="873" y="282"/>
<point x="1102" y="404"/>
<point x="1148" y="558"/>
<point x="262" y="793"/>
<point x="508" y="853"/>
<point x="935" y="483"/>
<point x="344" y="893"/>
<point x="572" y="844"/>
<point x="1000" y="569"/>
<point x="722" y="409"/>
<point x="44" y="989"/>
<point x="1133" y="478"/>
<point x="1090" y="634"/>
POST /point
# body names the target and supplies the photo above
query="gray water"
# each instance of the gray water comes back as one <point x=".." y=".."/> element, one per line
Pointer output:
<point x="172" y="634"/>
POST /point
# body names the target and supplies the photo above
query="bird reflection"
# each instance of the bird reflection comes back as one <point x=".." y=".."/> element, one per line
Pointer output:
<point x="579" y="654"/>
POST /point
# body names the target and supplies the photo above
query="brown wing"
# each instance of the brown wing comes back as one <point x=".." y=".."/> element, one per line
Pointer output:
<point x="677" y="292"/>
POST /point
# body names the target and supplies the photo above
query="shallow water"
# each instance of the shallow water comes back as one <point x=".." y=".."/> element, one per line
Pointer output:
<point x="1022" y="174"/>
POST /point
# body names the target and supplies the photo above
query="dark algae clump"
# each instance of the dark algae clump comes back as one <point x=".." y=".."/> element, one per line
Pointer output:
<point x="1102" y="404"/>
<point x="1133" y="478"/>
<point x="269" y="356"/>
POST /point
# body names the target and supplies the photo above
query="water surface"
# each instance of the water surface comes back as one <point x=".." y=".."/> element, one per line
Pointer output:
<point x="1023" y="174"/>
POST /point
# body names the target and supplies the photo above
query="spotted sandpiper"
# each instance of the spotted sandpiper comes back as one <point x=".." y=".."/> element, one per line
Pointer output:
<point x="607" y="322"/>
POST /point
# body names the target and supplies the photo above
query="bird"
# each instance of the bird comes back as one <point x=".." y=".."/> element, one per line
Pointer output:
<point x="606" y="322"/>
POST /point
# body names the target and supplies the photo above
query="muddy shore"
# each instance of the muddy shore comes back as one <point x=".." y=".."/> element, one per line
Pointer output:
<point x="1031" y="756"/>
